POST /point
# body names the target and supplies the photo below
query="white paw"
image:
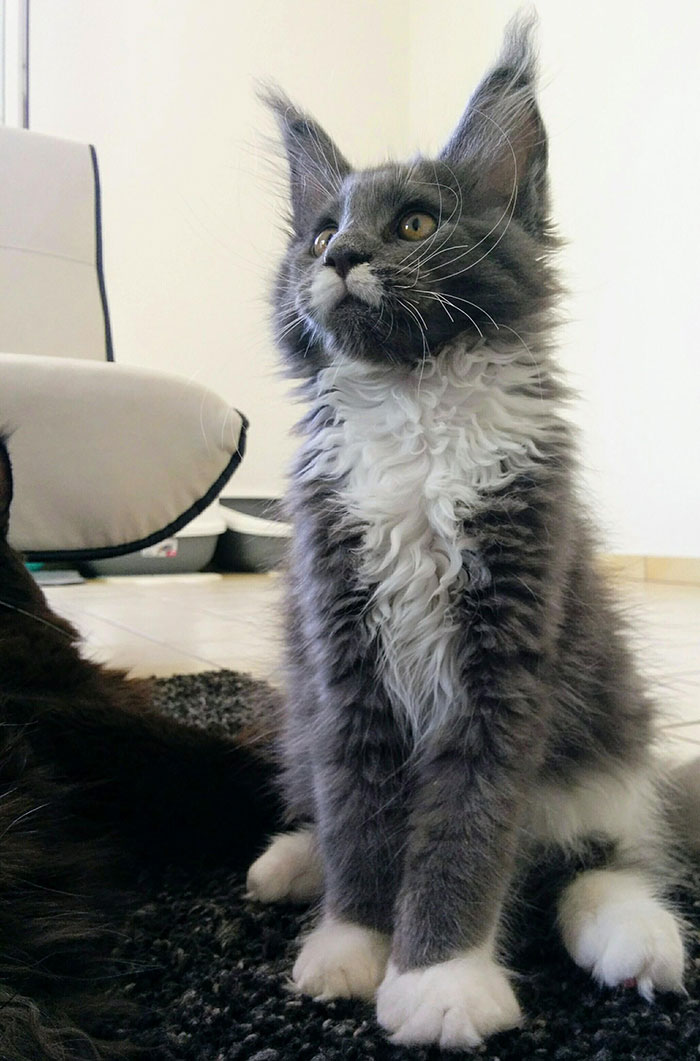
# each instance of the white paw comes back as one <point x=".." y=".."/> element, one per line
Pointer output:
<point x="456" y="1004"/>
<point x="613" y="926"/>
<point x="341" y="960"/>
<point x="289" y="871"/>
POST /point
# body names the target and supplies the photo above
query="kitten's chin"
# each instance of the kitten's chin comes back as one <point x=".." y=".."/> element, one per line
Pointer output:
<point x="370" y="351"/>
<point x="354" y="331"/>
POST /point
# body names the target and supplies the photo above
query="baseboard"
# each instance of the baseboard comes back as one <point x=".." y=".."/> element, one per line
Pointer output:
<point x="681" y="569"/>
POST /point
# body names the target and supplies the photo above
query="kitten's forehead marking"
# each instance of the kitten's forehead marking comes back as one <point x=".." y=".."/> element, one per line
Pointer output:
<point x="380" y="193"/>
<point x="373" y="193"/>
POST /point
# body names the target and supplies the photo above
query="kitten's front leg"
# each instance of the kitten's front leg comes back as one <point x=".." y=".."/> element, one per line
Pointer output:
<point x="360" y="822"/>
<point x="444" y="983"/>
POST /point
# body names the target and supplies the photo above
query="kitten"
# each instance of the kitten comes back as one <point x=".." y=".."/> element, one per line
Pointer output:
<point x="460" y="694"/>
<point x="94" y="784"/>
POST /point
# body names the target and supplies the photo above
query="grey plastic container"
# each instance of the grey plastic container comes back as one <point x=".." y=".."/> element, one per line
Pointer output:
<point x="190" y="550"/>
<point x="255" y="539"/>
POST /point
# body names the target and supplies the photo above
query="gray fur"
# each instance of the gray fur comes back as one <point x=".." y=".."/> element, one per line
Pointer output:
<point x="423" y="839"/>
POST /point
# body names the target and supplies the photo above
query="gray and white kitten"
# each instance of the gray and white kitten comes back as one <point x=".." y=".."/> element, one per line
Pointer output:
<point x="460" y="695"/>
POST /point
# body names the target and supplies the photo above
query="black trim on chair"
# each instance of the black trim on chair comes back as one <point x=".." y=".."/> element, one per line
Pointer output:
<point x="98" y="255"/>
<point x="109" y="552"/>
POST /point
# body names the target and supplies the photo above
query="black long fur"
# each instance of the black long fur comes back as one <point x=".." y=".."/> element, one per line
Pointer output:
<point x="94" y="783"/>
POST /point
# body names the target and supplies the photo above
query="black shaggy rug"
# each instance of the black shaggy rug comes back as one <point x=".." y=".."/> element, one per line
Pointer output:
<point x="210" y="970"/>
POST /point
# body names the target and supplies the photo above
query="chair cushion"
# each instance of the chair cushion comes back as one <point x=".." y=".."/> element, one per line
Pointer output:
<point x="108" y="458"/>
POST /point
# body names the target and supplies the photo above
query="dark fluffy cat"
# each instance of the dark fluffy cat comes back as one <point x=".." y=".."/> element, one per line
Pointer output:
<point x="460" y="692"/>
<point x="94" y="784"/>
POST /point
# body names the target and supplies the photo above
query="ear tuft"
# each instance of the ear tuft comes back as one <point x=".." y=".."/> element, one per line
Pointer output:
<point x="519" y="49"/>
<point x="316" y="166"/>
<point x="501" y="133"/>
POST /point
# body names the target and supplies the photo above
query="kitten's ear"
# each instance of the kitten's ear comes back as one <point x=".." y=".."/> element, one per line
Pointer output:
<point x="316" y="166"/>
<point x="5" y="489"/>
<point x="501" y="134"/>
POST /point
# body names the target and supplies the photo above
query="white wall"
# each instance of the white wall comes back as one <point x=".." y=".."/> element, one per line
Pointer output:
<point x="620" y="95"/>
<point x="164" y="88"/>
<point x="192" y="204"/>
<point x="13" y="26"/>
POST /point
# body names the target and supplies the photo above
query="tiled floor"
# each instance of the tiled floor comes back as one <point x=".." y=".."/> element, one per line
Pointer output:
<point x="177" y="624"/>
<point x="183" y="624"/>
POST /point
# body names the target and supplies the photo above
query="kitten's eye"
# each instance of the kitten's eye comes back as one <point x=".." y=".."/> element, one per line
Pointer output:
<point x="416" y="226"/>
<point x="322" y="241"/>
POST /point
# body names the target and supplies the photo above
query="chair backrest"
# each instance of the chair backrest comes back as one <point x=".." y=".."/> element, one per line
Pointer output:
<point x="52" y="294"/>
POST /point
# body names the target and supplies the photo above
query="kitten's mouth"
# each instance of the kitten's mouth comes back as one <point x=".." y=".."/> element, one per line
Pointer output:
<point x="350" y="312"/>
<point x="347" y="298"/>
<point x="329" y="290"/>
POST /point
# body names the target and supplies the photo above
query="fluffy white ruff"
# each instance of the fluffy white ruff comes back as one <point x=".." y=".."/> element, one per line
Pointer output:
<point x="289" y="871"/>
<point x="456" y="1004"/>
<point x="341" y="960"/>
<point x="328" y="288"/>
<point x="415" y="456"/>
<point x="613" y="925"/>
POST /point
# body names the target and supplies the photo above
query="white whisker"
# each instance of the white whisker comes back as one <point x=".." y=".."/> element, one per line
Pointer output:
<point x="37" y="619"/>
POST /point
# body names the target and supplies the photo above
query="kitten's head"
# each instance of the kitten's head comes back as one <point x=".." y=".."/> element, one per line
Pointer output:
<point x="388" y="264"/>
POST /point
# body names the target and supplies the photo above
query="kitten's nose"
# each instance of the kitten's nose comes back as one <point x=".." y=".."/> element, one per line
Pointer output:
<point x="342" y="259"/>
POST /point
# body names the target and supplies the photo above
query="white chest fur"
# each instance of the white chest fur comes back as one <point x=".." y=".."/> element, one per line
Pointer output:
<point x="414" y="457"/>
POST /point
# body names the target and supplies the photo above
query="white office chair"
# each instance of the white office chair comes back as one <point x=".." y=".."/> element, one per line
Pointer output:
<point x="108" y="459"/>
